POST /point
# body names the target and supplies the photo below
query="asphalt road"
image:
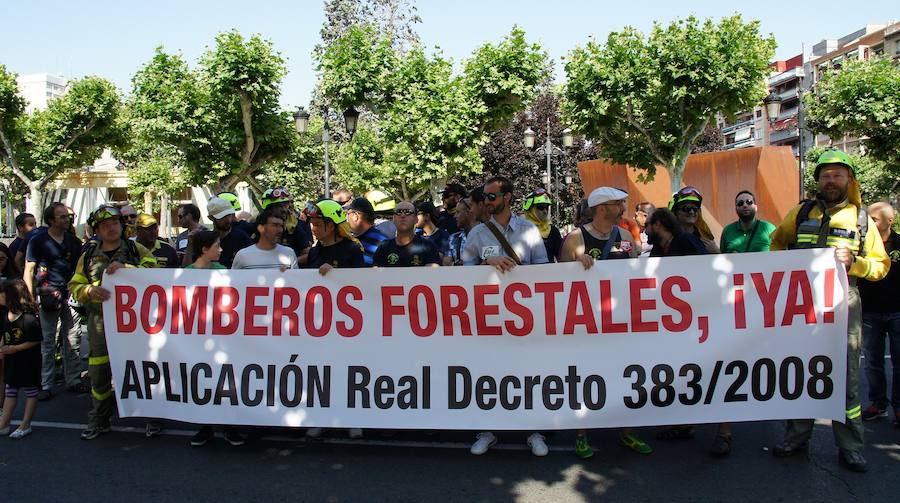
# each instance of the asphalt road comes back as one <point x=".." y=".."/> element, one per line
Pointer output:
<point x="53" y="464"/>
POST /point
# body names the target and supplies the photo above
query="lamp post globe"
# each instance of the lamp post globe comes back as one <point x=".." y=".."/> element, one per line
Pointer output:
<point x="301" y="120"/>
<point x="529" y="137"/>
<point x="351" y="116"/>
<point x="773" y="105"/>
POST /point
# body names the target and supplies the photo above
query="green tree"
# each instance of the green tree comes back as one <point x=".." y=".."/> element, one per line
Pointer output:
<point x="71" y="133"/>
<point x="860" y="99"/>
<point x="12" y="114"/>
<point x="647" y="99"/>
<point x="427" y="120"/>
<point x="220" y="123"/>
<point x="301" y="172"/>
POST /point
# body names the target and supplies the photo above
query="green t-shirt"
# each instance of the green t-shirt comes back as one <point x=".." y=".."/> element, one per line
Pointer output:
<point x="212" y="265"/>
<point x="734" y="237"/>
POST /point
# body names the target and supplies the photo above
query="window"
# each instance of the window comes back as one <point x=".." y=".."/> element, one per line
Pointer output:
<point x="758" y="114"/>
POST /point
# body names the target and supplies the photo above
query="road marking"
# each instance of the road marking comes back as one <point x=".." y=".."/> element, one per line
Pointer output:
<point x="418" y="444"/>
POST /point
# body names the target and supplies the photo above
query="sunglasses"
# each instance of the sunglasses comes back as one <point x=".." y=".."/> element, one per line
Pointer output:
<point x="493" y="196"/>
<point x="403" y="212"/>
<point x="744" y="203"/>
<point x="689" y="209"/>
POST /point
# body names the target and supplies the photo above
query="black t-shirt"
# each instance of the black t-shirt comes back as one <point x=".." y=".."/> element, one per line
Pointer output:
<point x="447" y="221"/>
<point x="440" y="239"/>
<point x="418" y="252"/>
<point x="594" y="246"/>
<point x="683" y="243"/>
<point x="344" y="253"/>
<point x="231" y="243"/>
<point x="884" y="296"/>
<point x="165" y="255"/>
<point x="55" y="262"/>
<point x="22" y="369"/>
<point x="553" y="244"/>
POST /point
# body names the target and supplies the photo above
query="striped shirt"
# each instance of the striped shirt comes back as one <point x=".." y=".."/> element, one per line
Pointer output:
<point x="370" y="241"/>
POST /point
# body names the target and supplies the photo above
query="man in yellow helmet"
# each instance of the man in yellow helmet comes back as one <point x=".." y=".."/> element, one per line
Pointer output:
<point x="297" y="234"/>
<point x="836" y="219"/>
<point x="111" y="251"/>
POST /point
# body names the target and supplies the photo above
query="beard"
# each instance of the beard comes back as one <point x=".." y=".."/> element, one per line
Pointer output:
<point x="747" y="217"/>
<point x="833" y="194"/>
<point x="654" y="238"/>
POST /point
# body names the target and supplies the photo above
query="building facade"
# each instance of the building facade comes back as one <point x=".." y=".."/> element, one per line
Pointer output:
<point x="39" y="88"/>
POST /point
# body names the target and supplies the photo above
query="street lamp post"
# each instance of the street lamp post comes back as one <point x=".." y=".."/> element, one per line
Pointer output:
<point x="301" y="122"/>
<point x="551" y="177"/>
<point x="772" y="103"/>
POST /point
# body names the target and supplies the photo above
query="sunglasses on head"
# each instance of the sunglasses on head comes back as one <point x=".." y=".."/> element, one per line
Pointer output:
<point x="279" y="193"/>
<point x="688" y="191"/>
<point x="404" y="212"/>
<point x="744" y="203"/>
<point x="493" y="196"/>
<point x="105" y="212"/>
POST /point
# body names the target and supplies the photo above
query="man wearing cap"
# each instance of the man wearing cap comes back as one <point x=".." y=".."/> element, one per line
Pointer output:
<point x="523" y="240"/>
<point x="602" y="239"/>
<point x="384" y="209"/>
<point x="687" y="206"/>
<point x="109" y="252"/>
<point x="231" y="239"/>
<point x="450" y="197"/>
<point x="243" y="224"/>
<point x="50" y="261"/>
<point x="836" y="218"/>
<point x="147" y="235"/>
<point x="537" y="211"/>
<point x="425" y="226"/>
<point x="361" y="217"/>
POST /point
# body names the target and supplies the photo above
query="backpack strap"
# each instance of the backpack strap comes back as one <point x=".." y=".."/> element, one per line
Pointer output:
<point x="503" y="242"/>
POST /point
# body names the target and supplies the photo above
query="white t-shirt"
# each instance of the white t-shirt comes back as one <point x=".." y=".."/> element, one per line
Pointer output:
<point x="254" y="257"/>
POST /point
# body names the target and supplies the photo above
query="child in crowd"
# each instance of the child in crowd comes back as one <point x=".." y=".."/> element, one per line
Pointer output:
<point x="21" y="350"/>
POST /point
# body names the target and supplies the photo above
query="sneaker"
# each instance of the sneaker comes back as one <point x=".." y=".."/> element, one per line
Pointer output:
<point x="233" y="437"/>
<point x="635" y="444"/>
<point x="355" y="432"/>
<point x="19" y="433"/>
<point x="787" y="448"/>
<point x="202" y="437"/>
<point x="538" y="444"/>
<point x="582" y="447"/>
<point x="44" y="395"/>
<point x="873" y="412"/>
<point x="483" y="442"/>
<point x="721" y="445"/>
<point x="314" y="433"/>
<point x="154" y="428"/>
<point x="853" y="460"/>
<point x="93" y="432"/>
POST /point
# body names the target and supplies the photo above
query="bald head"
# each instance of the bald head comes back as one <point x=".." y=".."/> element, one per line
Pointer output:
<point x="882" y="214"/>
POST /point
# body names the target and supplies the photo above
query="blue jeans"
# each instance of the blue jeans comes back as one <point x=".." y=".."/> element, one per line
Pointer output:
<point x="876" y="328"/>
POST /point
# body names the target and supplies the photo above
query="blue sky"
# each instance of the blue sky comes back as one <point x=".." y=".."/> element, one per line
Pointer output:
<point x="115" y="38"/>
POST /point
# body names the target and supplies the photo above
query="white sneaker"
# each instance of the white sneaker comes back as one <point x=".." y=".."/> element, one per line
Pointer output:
<point x="538" y="445"/>
<point x="355" y="432"/>
<point x="483" y="442"/>
<point x="314" y="432"/>
<point x="20" y="433"/>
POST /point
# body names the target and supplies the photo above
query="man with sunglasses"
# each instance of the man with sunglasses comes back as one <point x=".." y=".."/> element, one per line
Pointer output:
<point x="452" y="194"/>
<point x="523" y="239"/>
<point x="407" y="249"/>
<point x="129" y="218"/>
<point x="686" y="204"/>
<point x="537" y="211"/>
<point x="748" y="233"/>
<point x="188" y="216"/>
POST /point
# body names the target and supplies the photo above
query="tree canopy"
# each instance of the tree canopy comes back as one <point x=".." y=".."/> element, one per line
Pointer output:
<point x="861" y="99"/>
<point x="646" y="99"/>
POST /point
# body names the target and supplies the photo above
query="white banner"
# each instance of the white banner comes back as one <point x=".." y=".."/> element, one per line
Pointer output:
<point x="641" y="342"/>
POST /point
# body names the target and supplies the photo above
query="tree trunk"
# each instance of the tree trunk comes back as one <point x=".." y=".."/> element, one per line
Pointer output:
<point x="36" y="202"/>
<point x="148" y="202"/>
<point x="676" y="169"/>
<point x="164" y="223"/>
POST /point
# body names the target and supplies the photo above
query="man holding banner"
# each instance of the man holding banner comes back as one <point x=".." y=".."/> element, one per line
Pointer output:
<point x="836" y="219"/>
<point x="504" y="242"/>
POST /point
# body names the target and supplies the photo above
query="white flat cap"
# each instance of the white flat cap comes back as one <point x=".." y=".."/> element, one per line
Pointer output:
<point x="602" y="195"/>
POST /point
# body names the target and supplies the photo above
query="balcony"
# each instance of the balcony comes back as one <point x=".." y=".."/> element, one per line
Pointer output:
<point x="736" y="126"/>
<point x="747" y="142"/>
<point x="788" y="113"/>
<point x="784" y="135"/>
<point x="786" y="76"/>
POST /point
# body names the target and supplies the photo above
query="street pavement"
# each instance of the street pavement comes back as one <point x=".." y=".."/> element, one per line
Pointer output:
<point x="53" y="464"/>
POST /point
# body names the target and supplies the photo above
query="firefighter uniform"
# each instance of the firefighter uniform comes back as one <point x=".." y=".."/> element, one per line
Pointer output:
<point x="88" y="274"/>
<point x="836" y="227"/>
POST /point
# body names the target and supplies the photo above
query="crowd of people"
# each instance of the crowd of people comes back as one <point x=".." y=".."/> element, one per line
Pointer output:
<point x="52" y="288"/>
